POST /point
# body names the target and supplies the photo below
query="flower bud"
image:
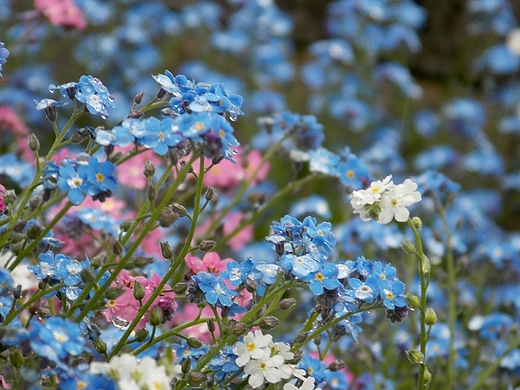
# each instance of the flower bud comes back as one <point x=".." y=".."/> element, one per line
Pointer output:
<point x="240" y="329"/>
<point x="180" y="288"/>
<point x="425" y="264"/>
<point x="9" y="197"/>
<point x="19" y="226"/>
<point x="166" y="249"/>
<point x="408" y="247"/>
<point x="168" y="217"/>
<point x="317" y="340"/>
<point x="156" y="316"/>
<point x="179" y="209"/>
<point x="186" y="365"/>
<point x="33" y="142"/>
<point x="413" y="301"/>
<point x="287" y="303"/>
<point x="34" y="231"/>
<point x="417" y="223"/>
<point x="117" y="248"/>
<point x="251" y="285"/>
<point x="301" y="337"/>
<point x="211" y="325"/>
<point x="415" y="356"/>
<point x="149" y="168"/>
<point x="206" y="245"/>
<point x="114" y="292"/>
<point x="35" y="202"/>
<point x="427" y="375"/>
<point x="125" y="224"/>
<point x="98" y="260"/>
<point x="135" y="114"/>
<point x="196" y="378"/>
<point x="138" y="291"/>
<point x="138" y="99"/>
<point x="143" y="261"/>
<point x="430" y="317"/>
<point x="100" y="346"/>
<point x="141" y="335"/>
<point x="194" y="343"/>
<point x="269" y="322"/>
<point x="210" y="194"/>
<point x="337" y="365"/>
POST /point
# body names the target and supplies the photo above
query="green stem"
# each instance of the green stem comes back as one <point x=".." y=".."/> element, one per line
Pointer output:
<point x="175" y="265"/>
<point x="424" y="287"/>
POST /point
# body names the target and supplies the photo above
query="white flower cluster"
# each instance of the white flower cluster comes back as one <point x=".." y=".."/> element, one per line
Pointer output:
<point x="133" y="374"/>
<point x="264" y="360"/>
<point x="384" y="200"/>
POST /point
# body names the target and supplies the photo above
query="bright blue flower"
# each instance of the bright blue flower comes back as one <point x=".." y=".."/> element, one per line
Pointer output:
<point x="264" y="274"/>
<point x="66" y="90"/>
<point x="466" y="116"/>
<point x="353" y="173"/>
<point x="224" y="363"/>
<point x="160" y="135"/>
<point x="88" y="382"/>
<point x="324" y="279"/>
<point x="215" y="290"/>
<point x="183" y="351"/>
<point x="435" y="183"/>
<point x="401" y="77"/>
<point x="392" y="294"/>
<point x="499" y="60"/>
<point x="4" y="53"/>
<point x="314" y="367"/>
<point x="323" y="161"/>
<point x="56" y="339"/>
<point x="237" y="273"/>
<point x="301" y="266"/>
<point x="484" y="161"/>
<point x="365" y="291"/>
<point x="336" y="380"/>
<point x="91" y="91"/>
<point x="6" y="303"/>
<point x="73" y="180"/>
<point x="322" y="240"/>
<point x="100" y="176"/>
<point x="118" y="136"/>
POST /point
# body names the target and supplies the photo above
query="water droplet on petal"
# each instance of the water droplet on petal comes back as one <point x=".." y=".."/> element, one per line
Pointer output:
<point x="233" y="118"/>
<point x="120" y="323"/>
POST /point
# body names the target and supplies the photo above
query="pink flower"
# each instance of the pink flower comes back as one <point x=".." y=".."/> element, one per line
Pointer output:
<point x="10" y="121"/>
<point x="3" y="383"/>
<point x="254" y="158"/>
<point x="151" y="243"/>
<point x="63" y="13"/>
<point x="210" y="263"/>
<point x="225" y="174"/>
<point x="130" y="173"/>
<point x="125" y="308"/>
<point x="244" y="236"/>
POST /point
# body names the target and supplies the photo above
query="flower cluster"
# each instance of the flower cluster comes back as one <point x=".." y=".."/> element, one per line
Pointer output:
<point x="89" y="91"/>
<point x="4" y="53"/>
<point x="384" y="200"/>
<point x="81" y="176"/>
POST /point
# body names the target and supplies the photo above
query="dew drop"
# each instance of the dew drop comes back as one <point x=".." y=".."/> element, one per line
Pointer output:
<point x="233" y="118"/>
<point x="103" y="117"/>
<point x="120" y="323"/>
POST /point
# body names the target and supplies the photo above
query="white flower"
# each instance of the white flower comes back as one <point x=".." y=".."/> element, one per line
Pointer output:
<point x="283" y="349"/>
<point x="359" y="200"/>
<point x="253" y="347"/>
<point x="394" y="202"/>
<point x="377" y="188"/>
<point x="308" y="384"/>
<point x="264" y="368"/>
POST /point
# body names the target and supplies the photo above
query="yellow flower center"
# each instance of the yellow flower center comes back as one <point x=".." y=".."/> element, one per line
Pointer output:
<point x="100" y="176"/>
<point x="319" y="277"/>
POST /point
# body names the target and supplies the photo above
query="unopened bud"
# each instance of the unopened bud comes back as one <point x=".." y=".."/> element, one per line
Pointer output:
<point x="166" y="249"/>
<point x="16" y="359"/>
<point x="301" y="337"/>
<point x="196" y="378"/>
<point x="19" y="226"/>
<point x="287" y="303"/>
<point x="138" y="291"/>
<point x="34" y="231"/>
<point x="180" y="288"/>
<point x="206" y="245"/>
<point x="251" y="285"/>
<point x="141" y="335"/>
<point x="156" y="316"/>
<point x="35" y="202"/>
<point x="135" y="114"/>
<point x="317" y="339"/>
<point x="149" y="168"/>
<point x="186" y="365"/>
<point x="194" y="343"/>
<point x="417" y="223"/>
<point x="179" y="209"/>
<point x="425" y="264"/>
<point x="430" y="317"/>
<point x="117" y="248"/>
<point x="240" y="329"/>
<point x="408" y="247"/>
<point x="100" y="346"/>
<point x="427" y="375"/>
<point x="413" y="301"/>
<point x="415" y="356"/>
<point x="143" y="261"/>
<point x="337" y="365"/>
<point x="269" y="322"/>
<point x="98" y="260"/>
<point x="211" y="325"/>
<point x="9" y="197"/>
<point x="33" y="142"/>
<point x="125" y="224"/>
<point x="210" y="194"/>
<point x="114" y="292"/>
<point x="138" y="99"/>
<point x="168" y="217"/>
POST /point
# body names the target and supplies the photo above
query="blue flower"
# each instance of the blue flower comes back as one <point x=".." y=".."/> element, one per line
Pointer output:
<point x="326" y="278"/>
<point x="392" y="294"/>
<point x="215" y="290"/>
<point x="4" y="53"/>
<point x="50" y="106"/>
<point x="237" y="273"/>
<point x="100" y="176"/>
<point x="73" y="180"/>
<point x="88" y="382"/>
<point x="365" y="291"/>
<point x="57" y="339"/>
<point x="301" y="266"/>
<point x="224" y="363"/>
<point x="19" y="171"/>
<point x="160" y="135"/>
<point x="91" y="91"/>
<point x="265" y="274"/>
<point x="6" y="303"/>
<point x="323" y="161"/>
<point x="353" y="173"/>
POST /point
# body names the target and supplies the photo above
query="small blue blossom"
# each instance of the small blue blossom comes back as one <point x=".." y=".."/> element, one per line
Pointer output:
<point x="91" y="91"/>
<point x="6" y="303"/>
<point x="19" y="171"/>
<point x="365" y="291"/>
<point x="160" y="135"/>
<point x="323" y="161"/>
<point x="353" y="173"/>
<point x="324" y="279"/>
<point x="73" y="180"/>
<point x="237" y="273"/>
<point x="392" y="294"/>
<point x="4" y="53"/>
<point x="301" y="266"/>
<point x="215" y="290"/>
<point x="100" y="176"/>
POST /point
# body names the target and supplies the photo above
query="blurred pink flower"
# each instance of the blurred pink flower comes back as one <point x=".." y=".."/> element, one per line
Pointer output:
<point x="245" y="235"/>
<point x="210" y="263"/>
<point x="130" y="173"/>
<point x="64" y="13"/>
<point x="10" y="121"/>
<point x="224" y="175"/>
<point x="2" y="203"/>
<point x="254" y="158"/>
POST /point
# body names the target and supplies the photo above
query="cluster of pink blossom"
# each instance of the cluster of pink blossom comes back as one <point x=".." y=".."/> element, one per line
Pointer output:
<point x="64" y="13"/>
